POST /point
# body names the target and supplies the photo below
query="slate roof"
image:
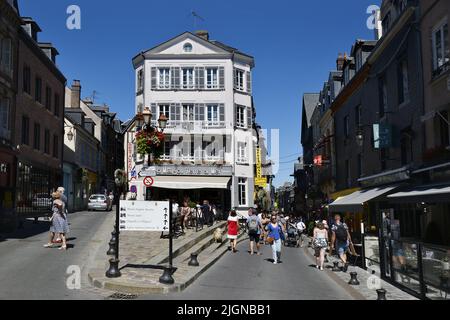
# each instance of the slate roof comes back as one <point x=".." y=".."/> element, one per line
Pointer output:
<point x="310" y="101"/>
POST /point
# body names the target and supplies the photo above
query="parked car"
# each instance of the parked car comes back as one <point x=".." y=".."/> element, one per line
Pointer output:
<point x="99" y="202"/>
<point x="42" y="201"/>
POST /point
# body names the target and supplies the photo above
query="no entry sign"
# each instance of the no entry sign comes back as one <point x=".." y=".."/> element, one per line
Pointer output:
<point x="148" y="181"/>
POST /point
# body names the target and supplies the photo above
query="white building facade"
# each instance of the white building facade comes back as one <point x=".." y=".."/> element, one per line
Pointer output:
<point x="204" y="88"/>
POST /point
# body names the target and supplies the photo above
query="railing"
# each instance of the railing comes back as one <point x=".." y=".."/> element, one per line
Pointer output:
<point x="193" y="125"/>
<point x="198" y="156"/>
<point x="440" y="70"/>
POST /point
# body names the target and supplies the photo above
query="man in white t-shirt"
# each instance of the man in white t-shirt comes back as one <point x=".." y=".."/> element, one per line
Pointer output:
<point x="301" y="227"/>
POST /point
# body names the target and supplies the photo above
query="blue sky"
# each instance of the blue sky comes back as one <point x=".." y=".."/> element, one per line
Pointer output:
<point x="295" y="44"/>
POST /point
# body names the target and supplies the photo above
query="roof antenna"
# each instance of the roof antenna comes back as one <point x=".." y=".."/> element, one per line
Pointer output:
<point x="196" y="17"/>
<point x="94" y="96"/>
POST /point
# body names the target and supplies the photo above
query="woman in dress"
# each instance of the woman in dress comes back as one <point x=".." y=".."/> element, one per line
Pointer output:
<point x="320" y="242"/>
<point x="59" y="226"/>
<point x="233" y="229"/>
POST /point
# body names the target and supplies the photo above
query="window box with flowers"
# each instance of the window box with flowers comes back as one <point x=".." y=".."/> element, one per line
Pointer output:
<point x="150" y="142"/>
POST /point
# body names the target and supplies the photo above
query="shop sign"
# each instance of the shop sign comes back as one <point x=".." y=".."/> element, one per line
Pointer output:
<point x="221" y="171"/>
<point x="150" y="216"/>
<point x="147" y="172"/>
<point x="261" y="182"/>
<point x="382" y="136"/>
<point x="318" y="160"/>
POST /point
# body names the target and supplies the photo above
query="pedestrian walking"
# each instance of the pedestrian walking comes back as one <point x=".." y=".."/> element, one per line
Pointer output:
<point x="254" y="231"/>
<point x="340" y="240"/>
<point x="65" y="210"/>
<point x="274" y="238"/>
<point x="233" y="229"/>
<point x="301" y="227"/>
<point x="320" y="243"/>
<point x="59" y="223"/>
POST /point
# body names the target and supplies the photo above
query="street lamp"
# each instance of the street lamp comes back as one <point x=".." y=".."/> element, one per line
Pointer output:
<point x="162" y="121"/>
<point x="360" y="138"/>
<point x="70" y="135"/>
<point x="147" y="114"/>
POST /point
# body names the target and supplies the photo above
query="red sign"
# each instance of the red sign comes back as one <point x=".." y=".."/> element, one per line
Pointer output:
<point x="148" y="181"/>
<point x="318" y="161"/>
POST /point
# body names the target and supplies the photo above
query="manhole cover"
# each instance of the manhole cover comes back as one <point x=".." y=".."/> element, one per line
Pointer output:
<point x="122" y="296"/>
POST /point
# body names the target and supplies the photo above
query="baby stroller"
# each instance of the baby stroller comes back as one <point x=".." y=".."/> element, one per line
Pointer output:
<point x="292" y="237"/>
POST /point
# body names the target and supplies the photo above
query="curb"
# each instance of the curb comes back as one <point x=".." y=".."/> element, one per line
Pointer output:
<point x="97" y="278"/>
<point x="347" y="288"/>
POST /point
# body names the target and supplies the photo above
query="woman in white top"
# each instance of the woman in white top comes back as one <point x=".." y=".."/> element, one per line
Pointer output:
<point x="320" y="242"/>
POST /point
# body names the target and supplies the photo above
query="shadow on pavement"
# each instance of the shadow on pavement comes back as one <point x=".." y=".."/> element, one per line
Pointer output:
<point x="29" y="228"/>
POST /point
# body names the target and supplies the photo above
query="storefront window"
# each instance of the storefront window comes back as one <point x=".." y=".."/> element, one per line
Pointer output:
<point x="436" y="272"/>
<point x="405" y="265"/>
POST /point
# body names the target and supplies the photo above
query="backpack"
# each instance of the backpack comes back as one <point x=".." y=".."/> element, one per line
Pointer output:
<point x="341" y="233"/>
<point x="253" y="226"/>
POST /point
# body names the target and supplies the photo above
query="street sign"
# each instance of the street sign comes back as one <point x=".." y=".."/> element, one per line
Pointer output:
<point x="144" y="216"/>
<point x="133" y="189"/>
<point x="148" y="172"/>
<point x="148" y="181"/>
<point x="261" y="182"/>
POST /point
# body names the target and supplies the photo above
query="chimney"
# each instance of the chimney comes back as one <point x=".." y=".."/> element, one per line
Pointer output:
<point x="75" y="95"/>
<point x="340" y="62"/>
<point x="204" y="34"/>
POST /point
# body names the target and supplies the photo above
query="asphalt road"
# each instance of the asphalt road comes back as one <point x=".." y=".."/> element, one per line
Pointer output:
<point x="243" y="277"/>
<point x="30" y="271"/>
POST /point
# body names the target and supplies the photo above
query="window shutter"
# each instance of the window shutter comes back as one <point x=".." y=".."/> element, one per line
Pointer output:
<point x="222" y="112"/>
<point x="249" y="117"/>
<point x="199" y="112"/>
<point x="235" y="115"/>
<point x="175" y="75"/>
<point x="236" y="192"/>
<point x="154" y="110"/>
<point x="235" y="77"/>
<point x="172" y="112"/>
<point x="153" y="75"/>
<point x="249" y="82"/>
<point x="199" y="78"/>
<point x="178" y="112"/>
<point x="221" y="78"/>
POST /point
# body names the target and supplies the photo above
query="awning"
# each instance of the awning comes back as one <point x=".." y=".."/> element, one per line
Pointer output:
<point x="343" y="193"/>
<point x="427" y="193"/>
<point x="355" y="201"/>
<point x="190" y="183"/>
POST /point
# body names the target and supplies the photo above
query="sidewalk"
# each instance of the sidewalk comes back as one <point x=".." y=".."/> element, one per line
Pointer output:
<point x="143" y="255"/>
<point x="366" y="290"/>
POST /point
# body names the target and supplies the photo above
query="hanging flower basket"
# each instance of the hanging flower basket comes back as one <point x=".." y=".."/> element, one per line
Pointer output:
<point x="150" y="142"/>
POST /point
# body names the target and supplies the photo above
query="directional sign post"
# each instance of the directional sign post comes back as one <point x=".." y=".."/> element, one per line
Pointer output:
<point x="144" y="215"/>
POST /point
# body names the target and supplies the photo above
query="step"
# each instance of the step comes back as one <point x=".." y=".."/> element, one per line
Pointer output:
<point x="184" y="245"/>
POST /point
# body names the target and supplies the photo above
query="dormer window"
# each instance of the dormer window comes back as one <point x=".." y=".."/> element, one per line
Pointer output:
<point x="359" y="60"/>
<point x="187" y="47"/>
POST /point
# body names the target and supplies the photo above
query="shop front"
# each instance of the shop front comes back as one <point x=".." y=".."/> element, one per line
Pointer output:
<point x="193" y="189"/>
<point x="415" y="240"/>
<point x="359" y="211"/>
<point x="7" y="190"/>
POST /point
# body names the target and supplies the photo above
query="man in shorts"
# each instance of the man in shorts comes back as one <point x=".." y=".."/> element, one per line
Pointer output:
<point x="254" y="231"/>
<point x="340" y="240"/>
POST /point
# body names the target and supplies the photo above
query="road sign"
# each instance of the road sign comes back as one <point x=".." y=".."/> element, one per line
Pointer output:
<point x="133" y="189"/>
<point x="144" y="216"/>
<point x="148" y="172"/>
<point x="148" y="181"/>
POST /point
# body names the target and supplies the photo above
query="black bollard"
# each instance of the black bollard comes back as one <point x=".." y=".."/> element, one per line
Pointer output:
<point x="381" y="294"/>
<point x="336" y="266"/>
<point x="112" y="249"/>
<point x="113" y="271"/>
<point x="167" y="278"/>
<point x="354" y="279"/>
<point x="194" y="261"/>
<point x="113" y="236"/>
